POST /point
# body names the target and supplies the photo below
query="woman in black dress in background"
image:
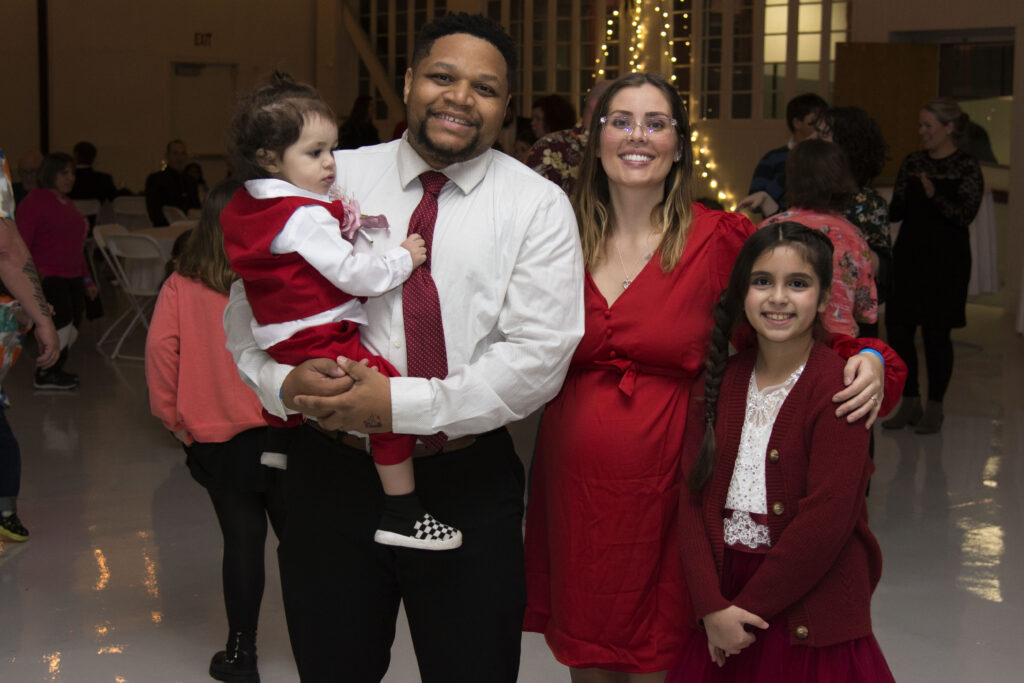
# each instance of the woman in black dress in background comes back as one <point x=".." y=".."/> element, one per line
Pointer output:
<point x="937" y="194"/>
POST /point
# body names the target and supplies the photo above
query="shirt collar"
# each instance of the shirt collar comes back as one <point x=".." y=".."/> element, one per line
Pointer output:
<point x="465" y="174"/>
<point x="273" y="188"/>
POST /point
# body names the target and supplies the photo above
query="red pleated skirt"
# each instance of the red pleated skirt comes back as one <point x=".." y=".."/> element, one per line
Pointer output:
<point x="772" y="658"/>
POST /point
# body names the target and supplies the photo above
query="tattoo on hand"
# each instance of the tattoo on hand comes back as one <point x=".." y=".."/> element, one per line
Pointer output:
<point x="373" y="421"/>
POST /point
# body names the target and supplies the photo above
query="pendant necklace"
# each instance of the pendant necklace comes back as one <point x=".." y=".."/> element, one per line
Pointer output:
<point x="629" y="280"/>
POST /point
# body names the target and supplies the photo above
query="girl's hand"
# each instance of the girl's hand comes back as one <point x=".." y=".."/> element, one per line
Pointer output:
<point x="717" y="655"/>
<point x="929" y="186"/>
<point x="864" y="377"/>
<point x="417" y="248"/>
<point x="725" y="629"/>
<point x="91" y="291"/>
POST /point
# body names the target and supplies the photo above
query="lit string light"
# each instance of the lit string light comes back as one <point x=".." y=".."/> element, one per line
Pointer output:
<point x="704" y="170"/>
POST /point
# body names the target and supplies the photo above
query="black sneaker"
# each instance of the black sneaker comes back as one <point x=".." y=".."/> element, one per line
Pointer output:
<point x="61" y="381"/>
<point x="12" y="528"/>
<point x="425" y="533"/>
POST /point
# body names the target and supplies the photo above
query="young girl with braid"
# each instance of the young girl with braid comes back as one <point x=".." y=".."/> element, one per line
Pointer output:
<point x="779" y="561"/>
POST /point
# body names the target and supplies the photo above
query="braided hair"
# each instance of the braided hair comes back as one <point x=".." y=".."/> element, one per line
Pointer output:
<point x="728" y="313"/>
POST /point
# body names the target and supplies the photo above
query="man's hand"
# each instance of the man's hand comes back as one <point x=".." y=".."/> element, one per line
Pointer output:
<point x="48" y="343"/>
<point x="365" y="407"/>
<point x="759" y="201"/>
<point x="314" y="377"/>
<point x="864" y="377"/>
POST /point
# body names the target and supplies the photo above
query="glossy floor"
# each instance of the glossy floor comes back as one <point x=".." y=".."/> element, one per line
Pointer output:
<point x="120" y="581"/>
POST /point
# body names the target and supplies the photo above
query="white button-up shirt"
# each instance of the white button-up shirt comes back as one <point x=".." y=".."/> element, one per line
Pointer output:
<point x="508" y="267"/>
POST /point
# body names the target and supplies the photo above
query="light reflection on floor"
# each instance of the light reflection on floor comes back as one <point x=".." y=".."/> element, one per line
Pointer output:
<point x="120" y="581"/>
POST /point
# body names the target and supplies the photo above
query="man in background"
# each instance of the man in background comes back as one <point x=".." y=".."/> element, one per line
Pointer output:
<point x="171" y="186"/>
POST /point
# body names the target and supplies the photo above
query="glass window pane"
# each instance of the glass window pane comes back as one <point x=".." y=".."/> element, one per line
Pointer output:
<point x="839" y="37"/>
<point x="540" y="56"/>
<point x="776" y="2"/>
<point x="564" y="30"/>
<point x="540" y="30"/>
<point x="682" y="79"/>
<point x="563" y="81"/>
<point x="742" y="78"/>
<point x="810" y="18"/>
<point x="562" y="56"/>
<point x="713" y="78"/>
<point x="743" y="50"/>
<point x="741" y="105"/>
<point x="839" y="16"/>
<point x="710" y="108"/>
<point x="743" y="23"/>
<point x="807" y="77"/>
<point x="540" y="82"/>
<point x="713" y="51"/>
<point x="776" y="19"/>
<point x="774" y="49"/>
<point x="808" y="47"/>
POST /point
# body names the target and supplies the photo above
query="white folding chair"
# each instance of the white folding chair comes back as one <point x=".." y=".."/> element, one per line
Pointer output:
<point x="87" y="207"/>
<point x="137" y="263"/>
<point x="130" y="211"/>
<point x="173" y="214"/>
<point x="90" y="208"/>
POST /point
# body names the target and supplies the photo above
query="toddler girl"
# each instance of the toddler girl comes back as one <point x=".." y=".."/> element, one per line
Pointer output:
<point x="293" y="247"/>
<point x="778" y="557"/>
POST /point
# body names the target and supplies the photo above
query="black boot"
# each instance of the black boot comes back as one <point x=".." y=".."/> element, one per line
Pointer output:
<point x="237" y="661"/>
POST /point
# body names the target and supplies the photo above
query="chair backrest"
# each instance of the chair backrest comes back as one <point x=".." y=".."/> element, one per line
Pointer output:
<point x="130" y="211"/>
<point x="87" y="207"/>
<point x="137" y="261"/>
<point x="100" y="233"/>
<point x="173" y="214"/>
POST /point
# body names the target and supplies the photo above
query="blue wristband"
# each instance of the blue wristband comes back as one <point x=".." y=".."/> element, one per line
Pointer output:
<point x="877" y="353"/>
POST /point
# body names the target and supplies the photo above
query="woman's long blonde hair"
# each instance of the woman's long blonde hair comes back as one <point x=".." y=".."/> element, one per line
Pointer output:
<point x="592" y="201"/>
<point x="203" y="257"/>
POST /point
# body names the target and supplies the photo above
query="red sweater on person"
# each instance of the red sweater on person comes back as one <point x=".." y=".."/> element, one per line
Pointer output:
<point x="55" y="234"/>
<point x="824" y="562"/>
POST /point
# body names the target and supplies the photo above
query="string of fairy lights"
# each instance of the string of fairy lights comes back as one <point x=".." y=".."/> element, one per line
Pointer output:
<point x="642" y="17"/>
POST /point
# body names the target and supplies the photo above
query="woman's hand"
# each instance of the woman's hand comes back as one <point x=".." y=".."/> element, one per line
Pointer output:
<point x="725" y="629"/>
<point x="864" y="377"/>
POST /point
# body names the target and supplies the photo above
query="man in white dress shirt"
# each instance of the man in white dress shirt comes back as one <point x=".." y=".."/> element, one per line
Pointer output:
<point x="508" y="269"/>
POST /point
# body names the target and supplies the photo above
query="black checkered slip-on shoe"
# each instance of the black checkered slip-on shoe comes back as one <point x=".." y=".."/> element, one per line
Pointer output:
<point x="425" y="533"/>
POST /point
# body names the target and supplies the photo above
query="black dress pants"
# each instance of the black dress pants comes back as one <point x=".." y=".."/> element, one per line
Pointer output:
<point x="342" y="590"/>
<point x="938" y="357"/>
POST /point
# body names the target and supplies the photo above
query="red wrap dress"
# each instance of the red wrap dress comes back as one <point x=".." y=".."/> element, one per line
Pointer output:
<point x="604" y="578"/>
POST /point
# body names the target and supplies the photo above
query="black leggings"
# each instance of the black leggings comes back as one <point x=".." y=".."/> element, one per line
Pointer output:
<point x="938" y="357"/>
<point x="243" y="522"/>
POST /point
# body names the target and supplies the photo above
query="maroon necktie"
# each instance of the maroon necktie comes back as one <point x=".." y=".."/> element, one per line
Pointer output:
<point x="424" y="333"/>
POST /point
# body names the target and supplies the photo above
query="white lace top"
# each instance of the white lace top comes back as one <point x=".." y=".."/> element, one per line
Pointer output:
<point x="747" y="492"/>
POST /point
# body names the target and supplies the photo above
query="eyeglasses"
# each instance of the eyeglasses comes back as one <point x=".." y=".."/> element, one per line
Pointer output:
<point x="652" y="126"/>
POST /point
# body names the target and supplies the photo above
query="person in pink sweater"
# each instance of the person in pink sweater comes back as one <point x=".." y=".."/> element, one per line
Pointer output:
<point x="195" y="390"/>
<point x="779" y="560"/>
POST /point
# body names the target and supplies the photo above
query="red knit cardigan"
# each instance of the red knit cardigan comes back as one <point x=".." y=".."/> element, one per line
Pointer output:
<point x="824" y="562"/>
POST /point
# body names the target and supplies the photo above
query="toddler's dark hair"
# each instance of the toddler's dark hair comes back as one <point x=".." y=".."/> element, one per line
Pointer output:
<point x="817" y="250"/>
<point x="269" y="120"/>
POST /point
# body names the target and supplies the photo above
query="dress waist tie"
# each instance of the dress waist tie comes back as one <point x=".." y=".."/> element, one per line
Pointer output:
<point x="629" y="369"/>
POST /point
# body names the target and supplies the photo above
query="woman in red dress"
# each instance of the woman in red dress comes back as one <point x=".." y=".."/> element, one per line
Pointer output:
<point x="604" y="577"/>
